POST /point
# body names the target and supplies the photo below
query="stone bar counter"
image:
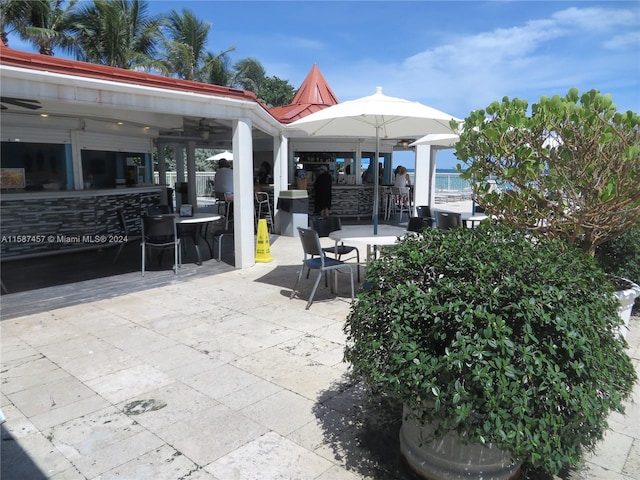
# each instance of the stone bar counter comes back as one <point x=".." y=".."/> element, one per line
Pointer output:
<point x="44" y="222"/>
<point x="347" y="200"/>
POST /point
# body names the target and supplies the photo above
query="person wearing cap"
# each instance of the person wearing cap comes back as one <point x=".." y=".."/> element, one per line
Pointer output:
<point x="322" y="189"/>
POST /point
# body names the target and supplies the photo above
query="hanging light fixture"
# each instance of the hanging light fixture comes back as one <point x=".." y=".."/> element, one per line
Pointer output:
<point x="404" y="143"/>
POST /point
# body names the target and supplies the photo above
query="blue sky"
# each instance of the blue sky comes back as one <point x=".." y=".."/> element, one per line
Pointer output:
<point x="456" y="56"/>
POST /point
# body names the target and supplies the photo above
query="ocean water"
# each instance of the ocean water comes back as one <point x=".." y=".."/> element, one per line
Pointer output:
<point x="446" y="179"/>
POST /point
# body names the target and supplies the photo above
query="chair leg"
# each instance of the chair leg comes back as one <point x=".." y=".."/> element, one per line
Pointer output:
<point x="293" y="290"/>
<point x="313" y="292"/>
<point x="176" y="256"/>
<point x="115" y="259"/>
<point x="352" y="287"/>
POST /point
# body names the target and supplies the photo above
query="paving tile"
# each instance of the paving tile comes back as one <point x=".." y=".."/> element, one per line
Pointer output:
<point x="99" y="461"/>
<point x="31" y="457"/>
<point x="612" y="453"/>
<point x="16" y="425"/>
<point x="261" y="332"/>
<point x="174" y="356"/>
<point x="161" y="463"/>
<point x="58" y="398"/>
<point x="136" y="340"/>
<point x="92" y="432"/>
<point x="249" y="394"/>
<point x="45" y="330"/>
<point x="14" y="348"/>
<point x="129" y="383"/>
<point x="632" y="465"/>
<point x="67" y="351"/>
<point x="228" y="346"/>
<point x="222" y="381"/>
<point x="180" y="400"/>
<point x="211" y="434"/>
<point x="27" y="372"/>
<point x="338" y="473"/>
<point x="63" y="413"/>
<point x="283" y="412"/>
<point x="100" y="363"/>
<point x="89" y="318"/>
<point x="269" y="457"/>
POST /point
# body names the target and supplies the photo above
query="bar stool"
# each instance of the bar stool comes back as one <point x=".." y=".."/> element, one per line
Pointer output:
<point x="387" y="201"/>
<point x="263" y="207"/>
<point x="401" y="201"/>
<point x="228" y="209"/>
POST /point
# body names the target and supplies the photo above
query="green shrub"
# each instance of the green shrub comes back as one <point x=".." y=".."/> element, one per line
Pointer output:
<point x="621" y="256"/>
<point x="506" y="338"/>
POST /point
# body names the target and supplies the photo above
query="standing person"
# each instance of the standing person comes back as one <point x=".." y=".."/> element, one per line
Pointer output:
<point x="322" y="188"/>
<point x="223" y="179"/>
<point x="264" y="174"/>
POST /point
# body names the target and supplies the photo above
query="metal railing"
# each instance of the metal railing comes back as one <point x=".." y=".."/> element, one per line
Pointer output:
<point x="445" y="182"/>
<point x="204" y="182"/>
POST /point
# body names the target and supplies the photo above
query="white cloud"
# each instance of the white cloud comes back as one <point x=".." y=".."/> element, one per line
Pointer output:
<point x="623" y="42"/>
<point x="542" y="56"/>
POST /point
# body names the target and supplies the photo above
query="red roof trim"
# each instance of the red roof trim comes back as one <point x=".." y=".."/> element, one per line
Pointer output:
<point x="36" y="61"/>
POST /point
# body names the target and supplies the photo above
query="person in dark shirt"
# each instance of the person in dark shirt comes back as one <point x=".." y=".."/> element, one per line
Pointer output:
<point x="264" y="174"/>
<point x="322" y="188"/>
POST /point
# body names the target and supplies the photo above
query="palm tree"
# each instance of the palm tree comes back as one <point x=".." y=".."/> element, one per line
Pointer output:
<point x="249" y="74"/>
<point x="47" y="26"/>
<point x="217" y="69"/>
<point x="118" y="33"/>
<point x="186" y="44"/>
<point x="13" y="14"/>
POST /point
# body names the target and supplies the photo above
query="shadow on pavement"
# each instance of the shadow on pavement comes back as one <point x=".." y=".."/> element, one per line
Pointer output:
<point x="16" y="464"/>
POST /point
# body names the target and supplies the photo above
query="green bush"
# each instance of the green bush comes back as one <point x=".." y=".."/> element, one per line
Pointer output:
<point x="621" y="256"/>
<point x="509" y="339"/>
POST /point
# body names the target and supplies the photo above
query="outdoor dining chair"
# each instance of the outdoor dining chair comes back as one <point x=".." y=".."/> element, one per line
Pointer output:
<point x="448" y="220"/>
<point x="424" y="211"/>
<point x="160" y="233"/>
<point x="315" y="259"/>
<point x="418" y="224"/>
<point x="324" y="226"/>
<point x="125" y="234"/>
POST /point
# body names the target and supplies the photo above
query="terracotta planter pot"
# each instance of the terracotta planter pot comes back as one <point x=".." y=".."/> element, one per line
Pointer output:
<point x="626" y="298"/>
<point x="450" y="458"/>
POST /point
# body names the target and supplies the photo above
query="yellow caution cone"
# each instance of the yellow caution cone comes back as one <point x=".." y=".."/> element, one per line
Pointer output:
<point x="263" y="250"/>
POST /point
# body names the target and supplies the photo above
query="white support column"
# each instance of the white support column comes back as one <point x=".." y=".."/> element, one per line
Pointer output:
<point x="423" y="187"/>
<point x="432" y="175"/>
<point x="162" y="171"/>
<point x="280" y="174"/>
<point x="76" y="160"/>
<point x="178" y="153"/>
<point x="192" y="193"/>
<point x="243" y="209"/>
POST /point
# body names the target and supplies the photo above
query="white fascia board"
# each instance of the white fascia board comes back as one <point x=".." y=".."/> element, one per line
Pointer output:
<point x="111" y="95"/>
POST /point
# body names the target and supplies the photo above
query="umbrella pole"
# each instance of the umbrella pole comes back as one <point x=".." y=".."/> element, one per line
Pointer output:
<point x="376" y="180"/>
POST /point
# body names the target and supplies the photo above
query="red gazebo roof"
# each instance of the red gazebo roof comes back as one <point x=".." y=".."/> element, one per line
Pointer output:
<point x="314" y="94"/>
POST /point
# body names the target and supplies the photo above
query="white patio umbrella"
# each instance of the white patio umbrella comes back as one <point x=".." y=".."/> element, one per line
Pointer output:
<point x="437" y="139"/>
<point x="219" y="156"/>
<point x="376" y="116"/>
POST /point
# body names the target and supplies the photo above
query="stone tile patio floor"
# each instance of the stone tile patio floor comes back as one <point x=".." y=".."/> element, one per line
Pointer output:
<point x="220" y="377"/>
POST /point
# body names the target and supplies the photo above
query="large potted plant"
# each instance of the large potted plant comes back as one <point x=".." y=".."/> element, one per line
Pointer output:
<point x="569" y="168"/>
<point x="494" y="339"/>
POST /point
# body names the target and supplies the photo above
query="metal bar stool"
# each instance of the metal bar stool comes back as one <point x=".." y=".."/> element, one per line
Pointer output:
<point x="263" y="207"/>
